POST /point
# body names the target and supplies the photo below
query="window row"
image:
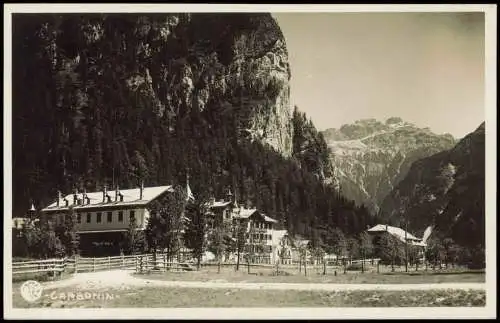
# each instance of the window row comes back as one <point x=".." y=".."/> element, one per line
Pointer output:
<point x="258" y="248"/>
<point x="98" y="217"/>
<point x="262" y="225"/>
<point x="260" y="236"/>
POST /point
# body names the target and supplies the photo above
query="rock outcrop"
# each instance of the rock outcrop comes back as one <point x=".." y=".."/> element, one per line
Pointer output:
<point x="445" y="190"/>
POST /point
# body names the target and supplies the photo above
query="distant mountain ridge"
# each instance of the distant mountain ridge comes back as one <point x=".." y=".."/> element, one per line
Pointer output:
<point x="370" y="157"/>
<point x="445" y="190"/>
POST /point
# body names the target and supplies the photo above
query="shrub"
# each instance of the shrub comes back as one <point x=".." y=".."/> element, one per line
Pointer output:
<point x="354" y="267"/>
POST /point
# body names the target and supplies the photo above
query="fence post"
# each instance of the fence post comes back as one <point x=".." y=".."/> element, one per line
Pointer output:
<point x="123" y="261"/>
<point x="76" y="263"/>
<point x="54" y="269"/>
<point x="109" y="262"/>
<point x="93" y="260"/>
<point x="164" y="262"/>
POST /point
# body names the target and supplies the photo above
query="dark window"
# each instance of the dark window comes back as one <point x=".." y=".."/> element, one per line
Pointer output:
<point x="120" y="216"/>
<point x="110" y="216"/>
<point x="89" y="216"/>
<point x="132" y="215"/>
<point x="99" y="217"/>
<point x="79" y="218"/>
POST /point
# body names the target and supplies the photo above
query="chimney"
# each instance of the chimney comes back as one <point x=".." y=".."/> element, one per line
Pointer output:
<point x="88" y="199"/>
<point x="121" y="197"/>
<point x="141" y="190"/>
<point x="235" y="200"/>
<point x="229" y="195"/>
<point x="58" y="197"/>
<point x="104" y="193"/>
<point x="66" y="200"/>
<point x="117" y="191"/>
<point x="386" y="227"/>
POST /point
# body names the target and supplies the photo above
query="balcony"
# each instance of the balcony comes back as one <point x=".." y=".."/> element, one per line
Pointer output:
<point x="258" y="230"/>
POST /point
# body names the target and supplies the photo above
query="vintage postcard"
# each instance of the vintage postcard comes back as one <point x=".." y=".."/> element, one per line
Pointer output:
<point x="257" y="161"/>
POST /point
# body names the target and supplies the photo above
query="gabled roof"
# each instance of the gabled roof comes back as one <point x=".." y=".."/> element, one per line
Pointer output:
<point x="243" y="213"/>
<point x="130" y="197"/>
<point x="219" y="204"/>
<point x="269" y="219"/>
<point x="397" y="232"/>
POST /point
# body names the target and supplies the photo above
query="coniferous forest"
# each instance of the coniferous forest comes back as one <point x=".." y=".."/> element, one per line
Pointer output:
<point x="116" y="100"/>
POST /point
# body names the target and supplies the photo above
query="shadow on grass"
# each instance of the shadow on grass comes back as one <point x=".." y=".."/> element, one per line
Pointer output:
<point x="41" y="277"/>
<point x="436" y="273"/>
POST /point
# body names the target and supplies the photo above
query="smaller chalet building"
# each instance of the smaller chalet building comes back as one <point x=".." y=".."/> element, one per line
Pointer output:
<point x="260" y="228"/>
<point x="103" y="217"/>
<point x="398" y="233"/>
<point x="401" y="235"/>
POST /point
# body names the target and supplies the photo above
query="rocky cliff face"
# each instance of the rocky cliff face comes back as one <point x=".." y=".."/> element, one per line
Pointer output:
<point x="370" y="157"/>
<point x="99" y="95"/>
<point x="445" y="190"/>
<point x="174" y="62"/>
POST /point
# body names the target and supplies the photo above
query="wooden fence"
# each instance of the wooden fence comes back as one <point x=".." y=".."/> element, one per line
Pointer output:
<point x="38" y="266"/>
<point x="42" y="268"/>
<point x="54" y="267"/>
<point x="104" y="263"/>
<point x="147" y="263"/>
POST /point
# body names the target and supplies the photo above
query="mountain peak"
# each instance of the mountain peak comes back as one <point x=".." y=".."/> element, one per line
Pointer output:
<point x="370" y="157"/>
<point x="394" y="120"/>
<point x="481" y="127"/>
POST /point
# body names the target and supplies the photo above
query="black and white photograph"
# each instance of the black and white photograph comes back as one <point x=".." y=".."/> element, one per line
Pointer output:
<point x="204" y="160"/>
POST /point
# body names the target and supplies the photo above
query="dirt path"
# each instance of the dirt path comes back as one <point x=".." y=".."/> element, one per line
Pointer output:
<point x="124" y="279"/>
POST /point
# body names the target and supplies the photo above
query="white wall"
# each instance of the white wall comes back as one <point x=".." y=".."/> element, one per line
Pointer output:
<point x="141" y="216"/>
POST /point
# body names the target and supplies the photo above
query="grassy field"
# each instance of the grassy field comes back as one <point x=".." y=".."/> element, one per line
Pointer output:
<point x="263" y="275"/>
<point x="182" y="297"/>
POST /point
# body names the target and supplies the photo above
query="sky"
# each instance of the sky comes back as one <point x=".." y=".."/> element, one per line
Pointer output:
<point x="427" y="68"/>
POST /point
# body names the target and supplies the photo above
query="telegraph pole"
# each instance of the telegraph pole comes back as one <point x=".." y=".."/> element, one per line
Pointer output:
<point x="406" y="243"/>
<point x="405" y="215"/>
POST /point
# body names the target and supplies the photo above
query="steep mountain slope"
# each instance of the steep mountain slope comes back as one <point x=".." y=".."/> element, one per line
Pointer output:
<point x="445" y="190"/>
<point x="80" y="78"/>
<point x="107" y="99"/>
<point x="370" y="157"/>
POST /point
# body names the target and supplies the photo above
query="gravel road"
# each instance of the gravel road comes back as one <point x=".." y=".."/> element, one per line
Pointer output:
<point x="124" y="279"/>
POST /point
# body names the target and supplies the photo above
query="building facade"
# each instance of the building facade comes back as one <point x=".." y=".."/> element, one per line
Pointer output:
<point x="259" y="229"/>
<point x="403" y="236"/>
<point x="103" y="217"/>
